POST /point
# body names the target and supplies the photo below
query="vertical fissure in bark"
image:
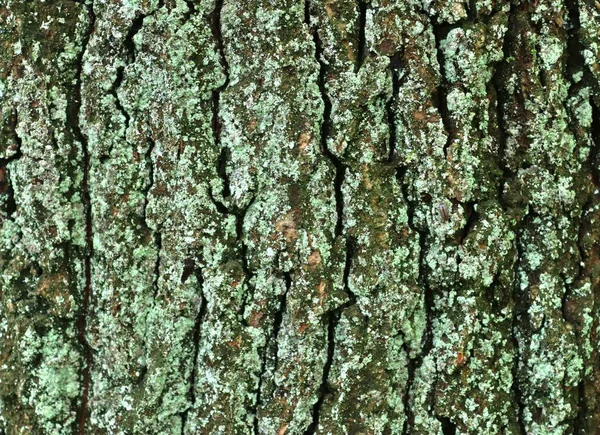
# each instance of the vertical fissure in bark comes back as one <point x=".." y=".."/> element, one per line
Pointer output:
<point x="217" y="127"/>
<point x="498" y="83"/>
<point x="196" y="336"/>
<point x="575" y="62"/>
<point x="73" y="112"/>
<point x="156" y="234"/>
<point x="472" y="10"/>
<point x="277" y="322"/>
<point x="448" y="427"/>
<point x="6" y="184"/>
<point x="516" y="388"/>
<point x="216" y="28"/>
<point x="391" y="105"/>
<point x="582" y="411"/>
<point x="191" y="10"/>
<point x="423" y="282"/>
<point x="579" y="425"/>
<point x="441" y="93"/>
<point x="595" y="149"/>
<point x="507" y="174"/>
<point x="471" y="219"/>
<point x="130" y="55"/>
<point x="333" y="318"/>
<point x="410" y="368"/>
<point x="222" y="166"/>
<point x="340" y="168"/>
<point x="362" y="23"/>
<point x="113" y="91"/>
<point x="248" y="273"/>
<point x="148" y="187"/>
<point x="158" y="245"/>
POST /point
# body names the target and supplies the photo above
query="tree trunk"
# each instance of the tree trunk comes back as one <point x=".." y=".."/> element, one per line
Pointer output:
<point x="297" y="217"/>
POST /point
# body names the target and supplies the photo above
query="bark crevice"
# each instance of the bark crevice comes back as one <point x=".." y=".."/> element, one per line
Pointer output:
<point x="6" y="184"/>
<point x="277" y="322"/>
<point x="516" y="388"/>
<point x="440" y="31"/>
<point x="216" y="28"/>
<point x="595" y="149"/>
<point x="391" y="105"/>
<point x="73" y="113"/>
<point x="428" y="301"/>
<point x="196" y="337"/>
<point x="339" y="166"/>
<point x="362" y="24"/>
<point x="130" y="57"/>
<point x="333" y="318"/>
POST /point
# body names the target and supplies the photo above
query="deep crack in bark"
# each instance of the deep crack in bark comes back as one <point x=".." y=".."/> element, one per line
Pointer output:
<point x="440" y="96"/>
<point x="158" y="244"/>
<point x="498" y="84"/>
<point x="130" y="54"/>
<point x="423" y="282"/>
<point x="196" y="336"/>
<point x="215" y="24"/>
<point x="516" y="388"/>
<point x="362" y="22"/>
<point x="73" y="112"/>
<point x="334" y="315"/>
<point x="472" y="216"/>
<point x="217" y="127"/>
<point x="448" y="427"/>
<point x="595" y="150"/>
<point x="6" y="186"/>
<point x="277" y="322"/>
<point x="391" y="105"/>
<point x="191" y="10"/>
<point x="340" y="168"/>
<point x="333" y="318"/>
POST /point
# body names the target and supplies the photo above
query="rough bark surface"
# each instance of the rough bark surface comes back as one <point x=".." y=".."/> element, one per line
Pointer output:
<point x="299" y="217"/>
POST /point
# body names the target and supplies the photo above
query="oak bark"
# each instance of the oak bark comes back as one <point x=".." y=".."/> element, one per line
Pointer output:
<point x="298" y="217"/>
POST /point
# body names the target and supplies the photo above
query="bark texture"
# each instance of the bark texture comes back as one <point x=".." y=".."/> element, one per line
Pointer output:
<point x="299" y="217"/>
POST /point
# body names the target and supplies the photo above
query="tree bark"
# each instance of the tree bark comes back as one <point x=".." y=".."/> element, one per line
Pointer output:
<point x="299" y="217"/>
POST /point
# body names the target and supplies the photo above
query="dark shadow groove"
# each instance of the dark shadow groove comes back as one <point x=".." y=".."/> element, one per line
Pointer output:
<point x="333" y="318"/>
<point x="130" y="55"/>
<point x="277" y="322"/>
<point x="498" y="82"/>
<point x="595" y="149"/>
<point x="6" y="187"/>
<point x="428" y="296"/>
<point x="440" y="31"/>
<point x="217" y="127"/>
<point x="448" y="427"/>
<point x="158" y="244"/>
<point x="73" y="112"/>
<point x="196" y="336"/>
<point x="362" y="21"/>
<point x="148" y="187"/>
<point x="191" y="10"/>
<point x="391" y="106"/>
<point x="516" y="388"/>
<point x="340" y="168"/>
<point x="472" y="217"/>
